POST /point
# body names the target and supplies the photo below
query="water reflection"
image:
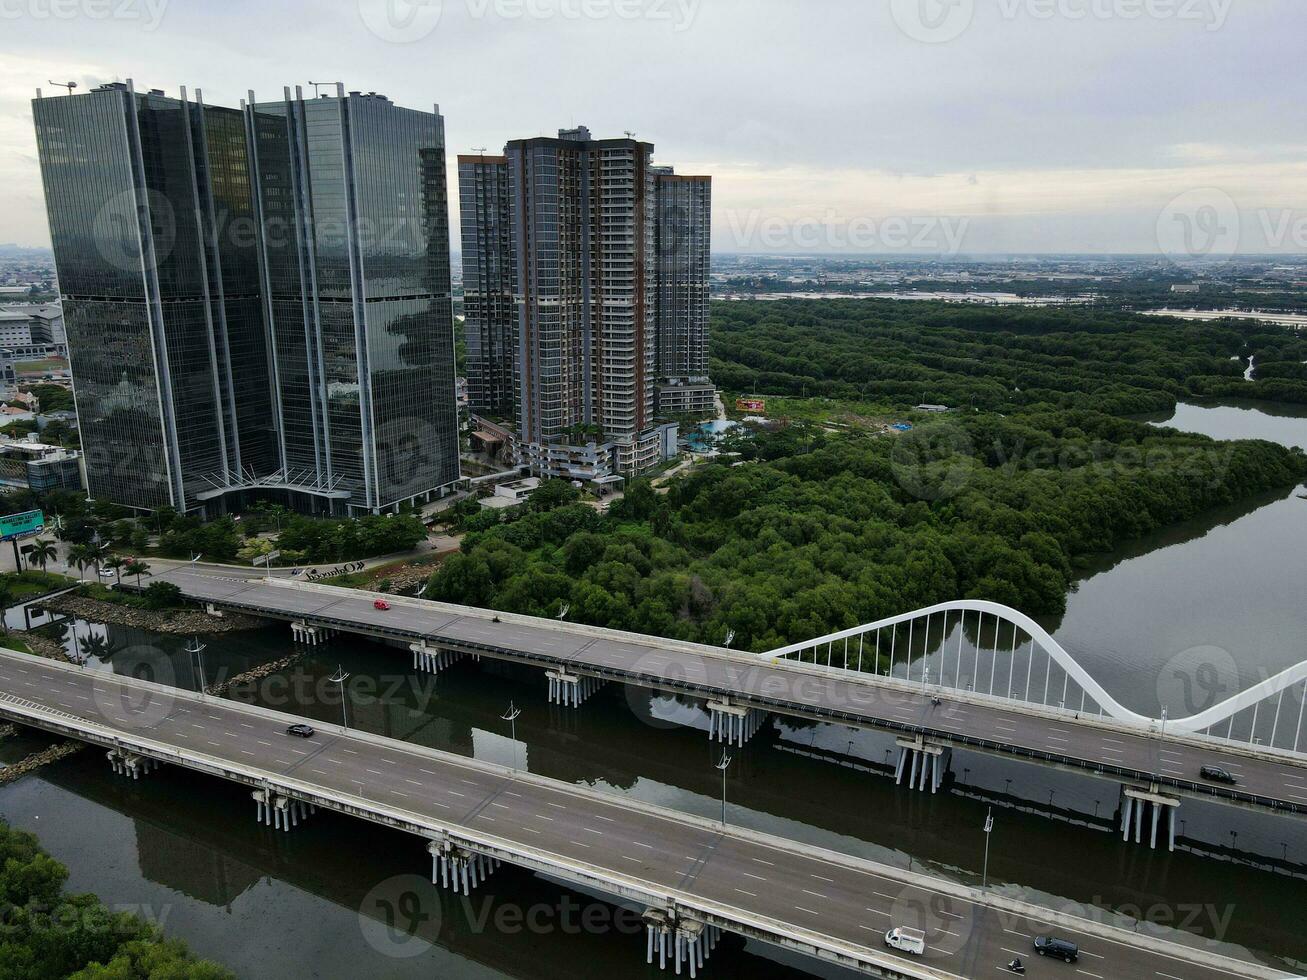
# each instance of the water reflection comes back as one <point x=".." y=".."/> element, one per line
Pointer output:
<point x="1231" y="581"/>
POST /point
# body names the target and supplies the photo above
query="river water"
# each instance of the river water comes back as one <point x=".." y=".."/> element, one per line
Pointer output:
<point x="186" y="850"/>
<point x="1230" y="584"/>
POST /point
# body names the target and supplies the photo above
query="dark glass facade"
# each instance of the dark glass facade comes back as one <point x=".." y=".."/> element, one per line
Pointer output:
<point x="352" y="191"/>
<point x="489" y="313"/>
<point x="255" y="300"/>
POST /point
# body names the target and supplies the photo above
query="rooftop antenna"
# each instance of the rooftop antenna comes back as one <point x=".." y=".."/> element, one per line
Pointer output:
<point x="318" y="85"/>
<point x="68" y="85"/>
<point x="630" y="135"/>
<point x="479" y="150"/>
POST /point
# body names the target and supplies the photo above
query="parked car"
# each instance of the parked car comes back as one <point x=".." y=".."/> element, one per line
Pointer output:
<point x="906" y="940"/>
<point x="1217" y="775"/>
<point x="303" y="731"/>
<point x="1061" y="948"/>
<point x="380" y="604"/>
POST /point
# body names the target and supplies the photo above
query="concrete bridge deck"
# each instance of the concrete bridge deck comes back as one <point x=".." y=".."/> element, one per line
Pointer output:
<point x="827" y="904"/>
<point x="1266" y="779"/>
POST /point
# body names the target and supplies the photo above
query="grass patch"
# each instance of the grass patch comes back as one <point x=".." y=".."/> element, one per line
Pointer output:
<point x="132" y="600"/>
<point x="11" y="642"/>
<point x="24" y="585"/>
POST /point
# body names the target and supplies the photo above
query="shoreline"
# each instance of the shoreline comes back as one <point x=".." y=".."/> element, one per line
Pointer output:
<point x="173" y="621"/>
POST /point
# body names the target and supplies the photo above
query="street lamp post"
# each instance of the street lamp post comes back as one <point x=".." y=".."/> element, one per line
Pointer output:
<point x="196" y="649"/>
<point x="723" y="766"/>
<point x="511" y="716"/>
<point x="989" y="829"/>
<point x="339" y="677"/>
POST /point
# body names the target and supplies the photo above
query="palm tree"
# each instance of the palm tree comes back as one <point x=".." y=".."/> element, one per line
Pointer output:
<point x="116" y="562"/>
<point x="79" y="556"/>
<point x="135" y="566"/>
<point x="95" y="551"/>
<point x="42" y="552"/>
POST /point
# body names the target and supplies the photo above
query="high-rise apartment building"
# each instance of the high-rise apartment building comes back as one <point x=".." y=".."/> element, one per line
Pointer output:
<point x="489" y="312"/>
<point x="683" y="213"/>
<point x="587" y="276"/>
<point x="257" y="301"/>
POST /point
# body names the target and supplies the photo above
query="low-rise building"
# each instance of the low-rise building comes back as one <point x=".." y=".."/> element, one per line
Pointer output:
<point x="36" y="466"/>
<point x="685" y="398"/>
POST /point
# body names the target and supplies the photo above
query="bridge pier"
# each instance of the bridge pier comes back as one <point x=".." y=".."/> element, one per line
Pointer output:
<point x="571" y="690"/>
<point x="311" y="635"/>
<point x="459" y="869"/>
<point x="1136" y="804"/>
<point x="433" y="660"/>
<point x="733" y="723"/>
<point x="929" y="764"/>
<point x="686" y="942"/>
<point x="126" y="763"/>
<point x="280" y="812"/>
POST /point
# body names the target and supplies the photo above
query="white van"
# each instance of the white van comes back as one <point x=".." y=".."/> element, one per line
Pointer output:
<point x="907" y="940"/>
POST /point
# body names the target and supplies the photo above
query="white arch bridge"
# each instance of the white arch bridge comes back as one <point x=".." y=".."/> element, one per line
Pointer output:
<point x="992" y="650"/>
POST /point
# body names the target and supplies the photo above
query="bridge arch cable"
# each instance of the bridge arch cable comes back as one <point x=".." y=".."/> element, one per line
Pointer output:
<point x="991" y="650"/>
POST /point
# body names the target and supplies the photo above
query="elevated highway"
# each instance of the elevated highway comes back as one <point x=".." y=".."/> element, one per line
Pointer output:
<point x="1149" y="761"/>
<point x="689" y="872"/>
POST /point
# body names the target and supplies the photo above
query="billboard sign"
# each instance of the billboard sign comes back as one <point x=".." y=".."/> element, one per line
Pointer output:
<point x="750" y="404"/>
<point x="22" y="525"/>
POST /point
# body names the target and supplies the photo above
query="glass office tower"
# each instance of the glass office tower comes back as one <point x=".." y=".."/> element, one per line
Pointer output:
<point x="257" y="301"/>
<point x="352" y="201"/>
<point x="162" y="312"/>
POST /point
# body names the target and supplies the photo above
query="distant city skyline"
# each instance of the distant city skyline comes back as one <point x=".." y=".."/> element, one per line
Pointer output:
<point x="874" y="127"/>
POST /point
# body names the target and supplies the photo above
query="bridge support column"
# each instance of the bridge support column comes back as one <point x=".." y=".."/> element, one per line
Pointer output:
<point x="929" y="764"/>
<point x="126" y="763"/>
<point x="280" y="812"/>
<point x="433" y="660"/>
<point x="1135" y="803"/>
<point x="304" y="633"/>
<point x="571" y="690"/>
<point x="684" y="941"/>
<point x="459" y="869"/>
<point x="732" y="723"/>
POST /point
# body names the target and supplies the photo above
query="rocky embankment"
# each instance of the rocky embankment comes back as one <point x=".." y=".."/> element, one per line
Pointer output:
<point x="256" y="674"/>
<point x="38" y="759"/>
<point x="178" y="621"/>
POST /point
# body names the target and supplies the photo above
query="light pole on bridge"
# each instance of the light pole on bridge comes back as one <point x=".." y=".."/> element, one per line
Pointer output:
<point x="339" y="677"/>
<point x="723" y="766"/>
<point x="511" y="716"/>
<point x="989" y="829"/>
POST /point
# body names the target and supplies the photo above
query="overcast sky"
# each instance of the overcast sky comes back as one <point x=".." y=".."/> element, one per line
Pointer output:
<point x="941" y="125"/>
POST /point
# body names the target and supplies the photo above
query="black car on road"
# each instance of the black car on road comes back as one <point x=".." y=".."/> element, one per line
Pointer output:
<point x="1217" y="775"/>
<point x="303" y="731"/>
<point x="1060" y="948"/>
